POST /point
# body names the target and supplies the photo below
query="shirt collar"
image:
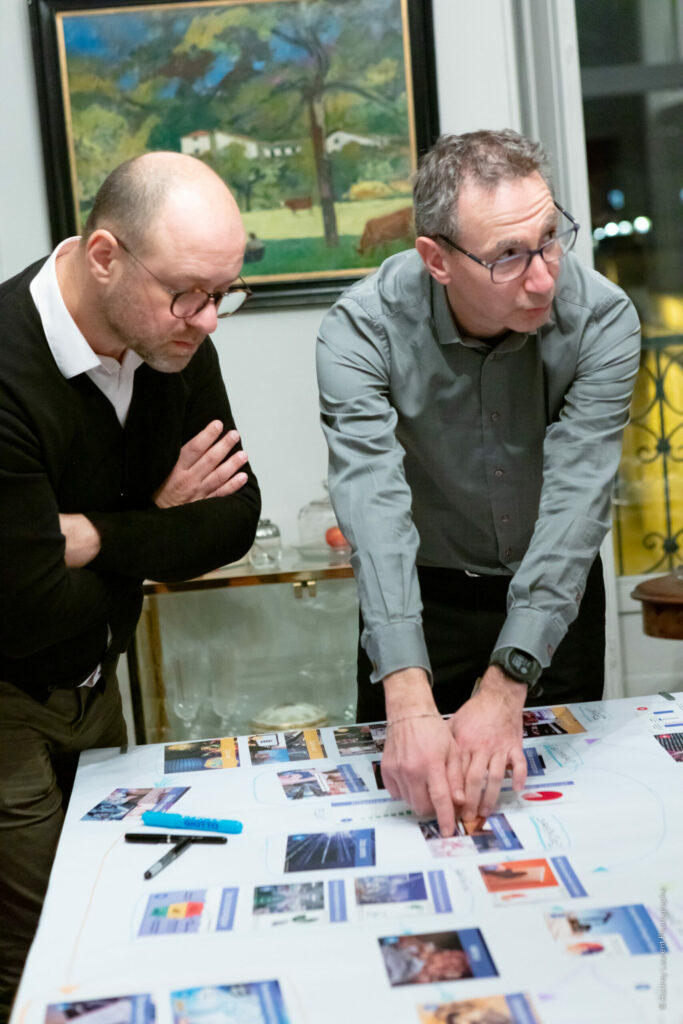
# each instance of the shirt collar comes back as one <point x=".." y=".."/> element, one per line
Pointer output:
<point x="70" y="350"/>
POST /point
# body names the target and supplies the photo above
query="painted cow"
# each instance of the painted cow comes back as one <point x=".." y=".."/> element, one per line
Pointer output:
<point x="302" y="203"/>
<point x="388" y="228"/>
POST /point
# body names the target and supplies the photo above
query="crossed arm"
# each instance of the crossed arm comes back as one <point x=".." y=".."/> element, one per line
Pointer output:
<point x="202" y="471"/>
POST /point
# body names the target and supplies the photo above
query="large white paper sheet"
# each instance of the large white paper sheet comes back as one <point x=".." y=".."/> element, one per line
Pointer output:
<point x="336" y="903"/>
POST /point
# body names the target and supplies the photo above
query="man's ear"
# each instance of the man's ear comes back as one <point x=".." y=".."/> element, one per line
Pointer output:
<point x="433" y="257"/>
<point x="102" y="255"/>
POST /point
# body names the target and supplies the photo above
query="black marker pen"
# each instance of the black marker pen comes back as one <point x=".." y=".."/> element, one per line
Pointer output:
<point x="169" y="857"/>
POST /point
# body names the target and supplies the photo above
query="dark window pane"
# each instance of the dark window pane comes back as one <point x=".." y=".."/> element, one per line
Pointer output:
<point x="634" y="142"/>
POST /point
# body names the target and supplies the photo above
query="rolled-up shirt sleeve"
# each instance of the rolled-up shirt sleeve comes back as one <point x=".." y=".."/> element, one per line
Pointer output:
<point x="369" y="490"/>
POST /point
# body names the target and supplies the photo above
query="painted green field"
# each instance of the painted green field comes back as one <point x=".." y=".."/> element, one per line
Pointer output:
<point x="294" y="242"/>
<point x="351" y="218"/>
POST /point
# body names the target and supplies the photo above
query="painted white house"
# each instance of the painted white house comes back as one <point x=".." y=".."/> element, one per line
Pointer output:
<point x="199" y="142"/>
<point x="337" y="140"/>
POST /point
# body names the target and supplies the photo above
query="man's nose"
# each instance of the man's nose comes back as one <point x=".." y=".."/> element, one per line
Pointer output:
<point x="538" y="277"/>
<point x="206" y="319"/>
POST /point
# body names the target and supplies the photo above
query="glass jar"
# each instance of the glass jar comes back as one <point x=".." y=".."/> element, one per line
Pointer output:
<point x="266" y="551"/>
<point x="314" y="521"/>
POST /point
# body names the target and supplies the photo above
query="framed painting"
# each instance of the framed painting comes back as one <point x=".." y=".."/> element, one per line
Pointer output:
<point x="314" y="112"/>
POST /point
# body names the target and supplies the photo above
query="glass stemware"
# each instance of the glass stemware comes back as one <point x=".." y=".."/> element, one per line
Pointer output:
<point x="222" y="687"/>
<point x="186" y="692"/>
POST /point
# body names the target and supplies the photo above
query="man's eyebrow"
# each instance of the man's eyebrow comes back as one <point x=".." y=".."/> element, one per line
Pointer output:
<point x="552" y="221"/>
<point x="205" y="288"/>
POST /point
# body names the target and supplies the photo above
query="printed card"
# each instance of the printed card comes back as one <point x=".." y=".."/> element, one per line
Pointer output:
<point x="512" y="1009"/>
<point x="291" y="903"/>
<point x="471" y="837"/>
<point x="189" y="912"/>
<point x="527" y="881"/>
<point x="672" y="742"/>
<point x="606" y="930"/>
<point x="436" y="956"/>
<point x="117" y="1010"/>
<point x="278" y="747"/>
<point x="201" y="755"/>
<point x="326" y="850"/>
<point x="549" y="722"/>
<point x="360" y="739"/>
<point x="301" y="783"/>
<point x="132" y="803"/>
<point x="405" y="895"/>
<point x="258" y="1002"/>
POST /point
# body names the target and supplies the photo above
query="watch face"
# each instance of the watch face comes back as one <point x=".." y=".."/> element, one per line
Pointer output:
<point x="520" y="662"/>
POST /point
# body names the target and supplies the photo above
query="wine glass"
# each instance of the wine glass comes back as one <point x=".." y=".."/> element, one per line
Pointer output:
<point x="222" y="665"/>
<point x="186" y="692"/>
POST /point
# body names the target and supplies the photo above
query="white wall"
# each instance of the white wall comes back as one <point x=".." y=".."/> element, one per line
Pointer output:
<point x="24" y="228"/>
<point x="267" y="357"/>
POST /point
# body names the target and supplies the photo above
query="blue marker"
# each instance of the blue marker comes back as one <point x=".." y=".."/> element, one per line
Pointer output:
<point x="170" y="821"/>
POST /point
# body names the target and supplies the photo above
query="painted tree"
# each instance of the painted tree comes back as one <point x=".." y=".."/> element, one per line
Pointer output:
<point x="319" y="49"/>
<point x="278" y="70"/>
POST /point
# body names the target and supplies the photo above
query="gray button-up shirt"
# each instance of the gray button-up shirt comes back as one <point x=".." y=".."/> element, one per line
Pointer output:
<point x="447" y="452"/>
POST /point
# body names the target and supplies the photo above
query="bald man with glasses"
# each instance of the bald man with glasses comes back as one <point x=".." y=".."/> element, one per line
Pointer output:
<point x="474" y="391"/>
<point x="119" y="461"/>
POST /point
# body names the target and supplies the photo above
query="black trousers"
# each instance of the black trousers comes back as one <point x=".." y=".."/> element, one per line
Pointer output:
<point x="40" y="743"/>
<point x="462" y="617"/>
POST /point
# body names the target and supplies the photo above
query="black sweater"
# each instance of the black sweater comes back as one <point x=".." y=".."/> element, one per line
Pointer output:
<point x="62" y="450"/>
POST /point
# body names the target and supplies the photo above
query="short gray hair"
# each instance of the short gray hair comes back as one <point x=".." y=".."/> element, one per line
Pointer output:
<point x="484" y="158"/>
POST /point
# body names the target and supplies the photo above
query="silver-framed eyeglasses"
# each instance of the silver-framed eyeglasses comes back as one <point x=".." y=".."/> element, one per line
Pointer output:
<point x="187" y="304"/>
<point x="507" y="268"/>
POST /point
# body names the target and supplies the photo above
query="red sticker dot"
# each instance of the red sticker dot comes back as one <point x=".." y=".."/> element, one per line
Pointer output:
<point x="542" y="794"/>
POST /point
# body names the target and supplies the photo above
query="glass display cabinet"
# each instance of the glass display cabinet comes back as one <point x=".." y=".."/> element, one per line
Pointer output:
<point x="221" y="654"/>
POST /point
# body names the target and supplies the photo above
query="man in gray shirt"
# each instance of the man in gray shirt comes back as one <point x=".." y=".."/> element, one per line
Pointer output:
<point x="474" y="392"/>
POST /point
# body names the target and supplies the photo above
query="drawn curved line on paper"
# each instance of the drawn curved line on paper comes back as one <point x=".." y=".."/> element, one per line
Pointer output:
<point x="577" y="977"/>
<point x="72" y="960"/>
<point x="270" y="801"/>
<point x="643" y="832"/>
<point x="137" y="914"/>
<point x="268" y="854"/>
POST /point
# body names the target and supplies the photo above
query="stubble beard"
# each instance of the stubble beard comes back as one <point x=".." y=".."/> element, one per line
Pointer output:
<point x="124" y="320"/>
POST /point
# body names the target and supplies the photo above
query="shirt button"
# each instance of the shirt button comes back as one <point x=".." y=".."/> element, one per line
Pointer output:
<point x="495" y="416"/>
<point x="508" y="552"/>
<point x="505" y="518"/>
<point x="493" y="357"/>
<point x="499" y="472"/>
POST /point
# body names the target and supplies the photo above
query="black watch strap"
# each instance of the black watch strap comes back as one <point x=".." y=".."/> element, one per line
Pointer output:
<point x="520" y="666"/>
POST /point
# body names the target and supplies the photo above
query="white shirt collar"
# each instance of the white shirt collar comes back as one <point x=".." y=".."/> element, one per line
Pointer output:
<point x="70" y="350"/>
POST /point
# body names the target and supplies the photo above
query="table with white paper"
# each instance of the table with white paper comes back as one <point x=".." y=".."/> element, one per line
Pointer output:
<point x="336" y="905"/>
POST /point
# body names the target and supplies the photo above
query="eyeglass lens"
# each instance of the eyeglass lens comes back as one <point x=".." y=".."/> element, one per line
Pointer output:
<point x="188" y="304"/>
<point x="514" y="266"/>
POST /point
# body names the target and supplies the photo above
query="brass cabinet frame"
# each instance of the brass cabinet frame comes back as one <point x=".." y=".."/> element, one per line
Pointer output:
<point x="147" y="645"/>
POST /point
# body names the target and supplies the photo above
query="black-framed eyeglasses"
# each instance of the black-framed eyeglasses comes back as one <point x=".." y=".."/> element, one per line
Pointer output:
<point x="187" y="304"/>
<point x="507" y="268"/>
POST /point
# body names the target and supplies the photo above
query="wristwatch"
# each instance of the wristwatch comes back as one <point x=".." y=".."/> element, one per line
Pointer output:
<point x="519" y="665"/>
